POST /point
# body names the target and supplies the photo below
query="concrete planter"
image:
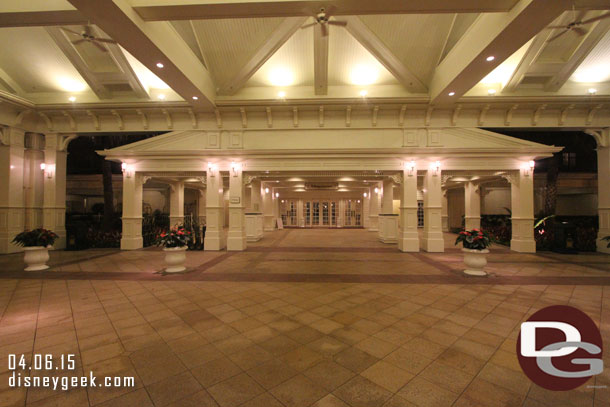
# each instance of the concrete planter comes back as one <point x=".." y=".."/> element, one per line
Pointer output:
<point x="36" y="258"/>
<point x="174" y="259"/>
<point x="475" y="261"/>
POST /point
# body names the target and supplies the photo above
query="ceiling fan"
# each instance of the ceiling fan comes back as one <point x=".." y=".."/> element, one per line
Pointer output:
<point x="86" y="35"/>
<point x="322" y="19"/>
<point x="577" y="26"/>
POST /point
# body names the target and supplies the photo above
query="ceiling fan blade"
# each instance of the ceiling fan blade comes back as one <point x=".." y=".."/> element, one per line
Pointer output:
<point x="553" y="27"/>
<point x="70" y="31"/>
<point x="308" y="25"/>
<point x="558" y="35"/>
<point x="87" y="30"/>
<point x="592" y="20"/>
<point x="339" y="23"/>
<point x="99" y="46"/>
<point x="580" y="31"/>
<point x="76" y="42"/>
<point x="106" y="40"/>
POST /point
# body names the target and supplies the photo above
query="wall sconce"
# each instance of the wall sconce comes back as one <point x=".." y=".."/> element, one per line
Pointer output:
<point x="127" y="170"/>
<point x="529" y="168"/>
<point x="266" y="190"/>
<point x="48" y="170"/>
<point x="365" y="194"/>
<point x="277" y="194"/>
<point x="234" y="168"/>
<point x="410" y="167"/>
<point x="212" y="169"/>
<point x="376" y="190"/>
<point x="436" y="168"/>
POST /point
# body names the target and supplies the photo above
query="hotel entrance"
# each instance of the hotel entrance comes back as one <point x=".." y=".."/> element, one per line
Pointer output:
<point x="321" y="213"/>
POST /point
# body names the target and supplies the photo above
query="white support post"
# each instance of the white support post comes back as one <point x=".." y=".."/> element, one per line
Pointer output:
<point x="214" y="233"/>
<point x="300" y="214"/>
<point x="132" y="211"/>
<point x="11" y="187"/>
<point x="366" y="207"/>
<point x="433" y="232"/>
<point x="341" y="213"/>
<point x="54" y="203"/>
<point x="522" y="207"/>
<point x="388" y="222"/>
<point x="236" y="240"/>
<point x="33" y="180"/>
<point x="176" y="203"/>
<point x="256" y="199"/>
<point x="201" y="207"/>
<point x="445" y="211"/>
<point x="374" y="209"/>
<point x="268" y="201"/>
<point x="472" y="201"/>
<point x="408" y="236"/>
<point x="603" y="189"/>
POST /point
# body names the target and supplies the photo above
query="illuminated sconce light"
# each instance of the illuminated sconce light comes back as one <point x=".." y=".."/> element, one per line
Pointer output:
<point x="358" y="200"/>
<point x="529" y="168"/>
<point x="12" y="167"/>
<point x="436" y="167"/>
<point x="48" y="170"/>
<point x="592" y="91"/>
<point x="376" y="190"/>
<point x="277" y="194"/>
<point x="282" y="201"/>
<point x="234" y="168"/>
<point x="365" y="194"/>
<point x="266" y="190"/>
<point x="43" y="166"/>
<point x="410" y="167"/>
<point x="127" y="170"/>
<point x="212" y="169"/>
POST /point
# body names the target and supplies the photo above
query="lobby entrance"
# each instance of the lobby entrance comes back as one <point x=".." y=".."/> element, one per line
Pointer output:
<point x="321" y="213"/>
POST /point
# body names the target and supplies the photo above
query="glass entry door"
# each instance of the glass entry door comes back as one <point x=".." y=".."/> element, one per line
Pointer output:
<point x="320" y="213"/>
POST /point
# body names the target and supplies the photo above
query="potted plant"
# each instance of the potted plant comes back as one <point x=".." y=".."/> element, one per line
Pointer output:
<point x="475" y="243"/>
<point x="174" y="242"/>
<point x="36" y="245"/>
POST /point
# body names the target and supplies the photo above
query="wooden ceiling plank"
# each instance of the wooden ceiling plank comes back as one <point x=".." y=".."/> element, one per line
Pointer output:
<point x="320" y="54"/>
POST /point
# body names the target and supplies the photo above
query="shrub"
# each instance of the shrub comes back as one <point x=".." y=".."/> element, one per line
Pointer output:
<point x="474" y="239"/>
<point x="36" y="237"/>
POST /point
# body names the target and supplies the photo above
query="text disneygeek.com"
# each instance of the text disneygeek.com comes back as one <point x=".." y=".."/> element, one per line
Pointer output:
<point x="21" y="374"/>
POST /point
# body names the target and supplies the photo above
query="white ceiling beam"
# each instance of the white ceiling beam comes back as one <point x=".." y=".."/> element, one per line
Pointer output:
<point x="320" y="61"/>
<point x="278" y="38"/>
<point x="497" y="34"/>
<point x="377" y="48"/>
<point x="33" y="13"/>
<point x="152" y="43"/>
<point x="589" y="42"/>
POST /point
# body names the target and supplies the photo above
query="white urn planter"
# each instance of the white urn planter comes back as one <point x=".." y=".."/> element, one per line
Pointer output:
<point x="174" y="259"/>
<point x="475" y="261"/>
<point x="36" y="258"/>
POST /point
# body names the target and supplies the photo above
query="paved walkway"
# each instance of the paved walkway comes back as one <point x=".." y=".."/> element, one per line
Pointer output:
<point x="324" y="318"/>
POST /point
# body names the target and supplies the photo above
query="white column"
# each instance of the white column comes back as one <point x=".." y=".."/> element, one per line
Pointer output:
<point x="408" y="236"/>
<point x="472" y="201"/>
<point x="201" y="207"/>
<point x="132" y="211"/>
<point x="176" y="203"/>
<point x="603" y="189"/>
<point x="214" y="233"/>
<point x="33" y="180"/>
<point x="445" y="211"/>
<point x="54" y="203"/>
<point x="341" y="213"/>
<point x="268" y="201"/>
<point x="236" y="240"/>
<point x="388" y="222"/>
<point x="11" y="187"/>
<point x="256" y="199"/>
<point x="366" y="202"/>
<point x="374" y="209"/>
<point x="300" y="214"/>
<point x="433" y="232"/>
<point x="522" y="207"/>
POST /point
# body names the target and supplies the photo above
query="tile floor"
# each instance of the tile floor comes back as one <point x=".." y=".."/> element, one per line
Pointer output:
<point x="322" y="318"/>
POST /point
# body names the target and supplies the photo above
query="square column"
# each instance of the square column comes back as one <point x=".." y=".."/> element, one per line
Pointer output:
<point x="132" y="211"/>
<point x="176" y="203"/>
<point x="256" y="197"/>
<point x="236" y="240"/>
<point x="268" y="211"/>
<point x="214" y="211"/>
<point x="201" y="207"/>
<point x="33" y="180"/>
<point x="433" y="226"/>
<point x="374" y="209"/>
<point x="472" y="201"/>
<point x="445" y="211"/>
<point x="11" y="187"/>
<point x="603" y="192"/>
<point x="388" y="222"/>
<point x="54" y="203"/>
<point x="300" y="214"/>
<point x="522" y="207"/>
<point x="366" y="207"/>
<point x="341" y="213"/>
<point x="408" y="236"/>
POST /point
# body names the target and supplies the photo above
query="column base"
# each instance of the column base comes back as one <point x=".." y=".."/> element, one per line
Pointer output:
<point x="269" y="223"/>
<point x="236" y="243"/>
<point x="433" y="242"/>
<point x="602" y="245"/>
<point x="254" y="227"/>
<point x="373" y="223"/>
<point x="7" y="247"/>
<point x="132" y="234"/>
<point x="388" y="229"/>
<point x="445" y="223"/>
<point x="408" y="244"/>
<point x="214" y="241"/>
<point x="131" y="243"/>
<point x="523" y="246"/>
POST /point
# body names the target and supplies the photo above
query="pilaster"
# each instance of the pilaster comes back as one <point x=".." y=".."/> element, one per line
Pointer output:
<point x="214" y="233"/>
<point x="11" y="187"/>
<point x="176" y="203"/>
<point x="408" y="236"/>
<point x="522" y="207"/>
<point x="54" y="203"/>
<point x="445" y="211"/>
<point x="132" y="211"/>
<point x="201" y="207"/>
<point x="472" y="201"/>
<point x="33" y="180"/>
<point x="268" y="201"/>
<point x="236" y="240"/>
<point x="603" y="187"/>
<point x="374" y="209"/>
<point x="387" y="232"/>
<point x="433" y="232"/>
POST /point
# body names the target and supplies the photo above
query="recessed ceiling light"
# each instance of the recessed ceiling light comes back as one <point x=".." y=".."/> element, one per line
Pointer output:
<point x="161" y="96"/>
<point x="451" y="93"/>
<point x="195" y="98"/>
<point x="281" y="94"/>
<point x="72" y="99"/>
<point x="159" y="65"/>
<point x="490" y="58"/>
<point x="363" y="93"/>
<point x="491" y="91"/>
<point x="592" y="91"/>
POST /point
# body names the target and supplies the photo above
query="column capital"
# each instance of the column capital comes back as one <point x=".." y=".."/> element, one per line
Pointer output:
<point x="396" y="178"/>
<point x="601" y="136"/>
<point x="58" y="141"/>
<point x="12" y="136"/>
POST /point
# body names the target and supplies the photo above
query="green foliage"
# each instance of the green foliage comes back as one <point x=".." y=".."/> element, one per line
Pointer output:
<point x="174" y="237"/>
<point x="543" y="220"/>
<point x="474" y="239"/>
<point x="36" y="237"/>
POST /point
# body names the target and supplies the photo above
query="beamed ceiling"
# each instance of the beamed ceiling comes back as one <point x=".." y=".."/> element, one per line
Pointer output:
<point x="255" y="52"/>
